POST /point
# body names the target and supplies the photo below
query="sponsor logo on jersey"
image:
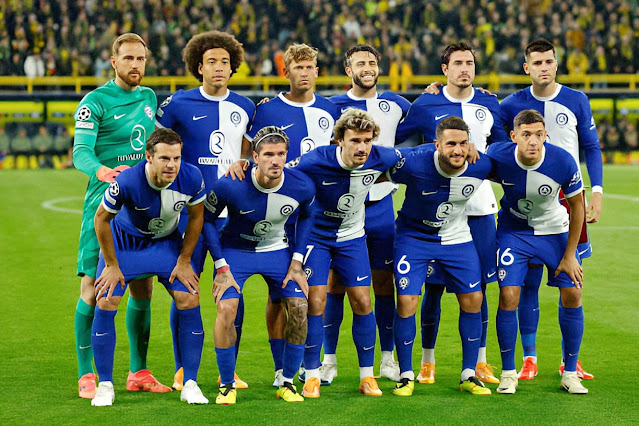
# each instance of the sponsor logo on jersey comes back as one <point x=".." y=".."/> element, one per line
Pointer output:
<point x="130" y="157"/>
<point x="525" y="206"/>
<point x="156" y="225"/>
<point x="444" y="210"/>
<point x="216" y="142"/>
<point x="262" y="228"/>
<point x="324" y="124"/>
<point x="117" y="117"/>
<point x="384" y="106"/>
<point x="346" y="202"/>
<point x="199" y="117"/>
<point x="84" y="125"/>
<point x="439" y="117"/>
<point x="138" y="137"/>
<point x="84" y="113"/>
<point x="561" y="119"/>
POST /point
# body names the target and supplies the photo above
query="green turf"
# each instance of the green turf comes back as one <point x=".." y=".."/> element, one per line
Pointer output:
<point x="38" y="365"/>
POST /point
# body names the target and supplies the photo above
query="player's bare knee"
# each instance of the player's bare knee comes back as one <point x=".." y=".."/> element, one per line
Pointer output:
<point x="383" y="283"/>
<point x="509" y="298"/>
<point x="407" y="305"/>
<point x="570" y="297"/>
<point x="334" y="284"/>
<point x="316" y="301"/>
<point x="184" y="300"/>
<point x="470" y="302"/>
<point x="87" y="290"/>
<point x="227" y="311"/>
<point x="110" y="304"/>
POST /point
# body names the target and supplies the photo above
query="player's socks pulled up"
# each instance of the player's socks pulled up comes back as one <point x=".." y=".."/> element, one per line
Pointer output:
<point x="292" y="359"/>
<point x="226" y="364"/>
<point x="431" y="314"/>
<point x="507" y="337"/>
<point x="571" y="322"/>
<point x="83" y="323"/>
<point x="314" y="339"/>
<point x="191" y="340"/>
<point x="333" y="316"/>
<point x="384" y="314"/>
<point x="138" y="326"/>
<point x="239" y="321"/>
<point x="470" y="332"/>
<point x="277" y="350"/>
<point x="363" y="330"/>
<point x="404" y="330"/>
<point x="103" y="341"/>
<point x="174" y="324"/>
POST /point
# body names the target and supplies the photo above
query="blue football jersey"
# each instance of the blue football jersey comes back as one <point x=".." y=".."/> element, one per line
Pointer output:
<point x="569" y="123"/>
<point x="483" y="116"/>
<point x="211" y="128"/>
<point x="338" y="210"/>
<point x="145" y="210"/>
<point x="387" y="109"/>
<point x="530" y="203"/>
<point x="256" y="215"/>
<point x="434" y="204"/>
<point x="308" y="125"/>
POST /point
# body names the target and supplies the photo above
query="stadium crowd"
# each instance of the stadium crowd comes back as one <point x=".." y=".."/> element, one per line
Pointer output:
<point x="61" y="37"/>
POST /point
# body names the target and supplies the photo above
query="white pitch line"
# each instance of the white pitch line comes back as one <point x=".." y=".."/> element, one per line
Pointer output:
<point x="622" y="197"/>
<point x="51" y="205"/>
<point x="612" y="228"/>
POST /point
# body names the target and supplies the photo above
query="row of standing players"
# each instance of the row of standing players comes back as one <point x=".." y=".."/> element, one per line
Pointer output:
<point x="228" y="122"/>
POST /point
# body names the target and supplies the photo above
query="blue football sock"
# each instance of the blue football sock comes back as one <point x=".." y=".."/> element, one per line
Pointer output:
<point x="191" y="336"/>
<point x="431" y="313"/>
<point x="404" y="330"/>
<point x="174" y="323"/>
<point x="333" y="316"/>
<point x="226" y="364"/>
<point x="314" y="339"/>
<point x="528" y="311"/>
<point x="384" y="314"/>
<point x="484" y="317"/>
<point x="277" y="349"/>
<point x="103" y="342"/>
<point x="507" y="337"/>
<point x="364" y="337"/>
<point x="470" y="332"/>
<point x="571" y="322"/>
<point x="292" y="359"/>
<point x="239" y="320"/>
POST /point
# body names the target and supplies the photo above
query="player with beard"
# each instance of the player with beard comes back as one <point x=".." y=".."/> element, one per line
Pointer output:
<point x="111" y="129"/>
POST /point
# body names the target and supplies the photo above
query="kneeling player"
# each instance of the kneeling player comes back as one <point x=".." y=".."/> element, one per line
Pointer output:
<point x="533" y="225"/>
<point x="136" y="225"/>
<point x="432" y="225"/>
<point x="254" y="241"/>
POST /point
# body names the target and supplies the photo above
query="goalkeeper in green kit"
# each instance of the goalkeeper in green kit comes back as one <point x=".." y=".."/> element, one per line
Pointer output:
<point x="111" y="126"/>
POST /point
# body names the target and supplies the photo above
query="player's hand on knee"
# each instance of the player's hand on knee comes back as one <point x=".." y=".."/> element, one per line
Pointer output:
<point x="572" y="268"/>
<point x="107" y="174"/>
<point x="222" y="282"/>
<point x="297" y="274"/>
<point x="433" y="88"/>
<point x="184" y="272"/>
<point x="237" y="169"/>
<point x="108" y="280"/>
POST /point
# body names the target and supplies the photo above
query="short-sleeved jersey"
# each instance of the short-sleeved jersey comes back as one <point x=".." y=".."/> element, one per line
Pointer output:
<point x="257" y="215"/>
<point x="387" y="110"/>
<point x="338" y="210"/>
<point x="434" y="204"/>
<point x="479" y="111"/>
<point x="307" y="125"/>
<point x="211" y="128"/>
<point x="569" y="123"/>
<point x="145" y="210"/>
<point x="530" y="203"/>
<point x="113" y="125"/>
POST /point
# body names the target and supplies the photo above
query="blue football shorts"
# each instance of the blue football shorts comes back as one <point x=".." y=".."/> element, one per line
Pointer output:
<point x="346" y="258"/>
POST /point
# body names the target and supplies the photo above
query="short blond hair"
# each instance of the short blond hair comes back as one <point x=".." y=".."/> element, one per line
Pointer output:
<point x="126" y="38"/>
<point x="356" y="120"/>
<point x="299" y="52"/>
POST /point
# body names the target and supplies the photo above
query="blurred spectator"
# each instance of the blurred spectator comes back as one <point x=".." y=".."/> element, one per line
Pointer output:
<point x="613" y="138"/>
<point x="629" y="130"/>
<point x="21" y="144"/>
<point x="4" y="143"/>
<point x="102" y="65"/>
<point x="577" y="63"/>
<point x="34" y="65"/>
<point x="43" y="145"/>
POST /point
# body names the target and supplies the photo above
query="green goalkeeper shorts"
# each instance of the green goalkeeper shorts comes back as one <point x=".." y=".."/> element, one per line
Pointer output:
<point x="89" y="248"/>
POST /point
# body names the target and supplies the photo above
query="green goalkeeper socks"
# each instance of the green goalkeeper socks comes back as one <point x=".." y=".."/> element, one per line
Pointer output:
<point x="83" y="324"/>
<point x="138" y="326"/>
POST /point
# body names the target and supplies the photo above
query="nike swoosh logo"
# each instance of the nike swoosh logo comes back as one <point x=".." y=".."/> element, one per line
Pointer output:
<point x="583" y="251"/>
<point x="473" y="340"/>
<point x="344" y="110"/>
<point x="362" y="278"/>
<point x="142" y="208"/>
<point x="117" y="117"/>
<point x="297" y="290"/>
<point x="286" y="127"/>
<point x="328" y="183"/>
<point x="328" y="325"/>
<point x="503" y="182"/>
<point x="197" y="333"/>
<point x="388" y="262"/>
<point x="389" y="328"/>
<point x="310" y="346"/>
<point x="198" y="118"/>
<point x="490" y="275"/>
<point x="572" y="354"/>
<point x="101" y="334"/>
<point x="408" y="343"/>
<point x="429" y="193"/>
<point x="535" y="309"/>
<point x="473" y="285"/>
<point x="369" y="348"/>
<point x="246" y="212"/>
<point x="439" y="117"/>
<point x="507" y="350"/>
<point x="84" y="347"/>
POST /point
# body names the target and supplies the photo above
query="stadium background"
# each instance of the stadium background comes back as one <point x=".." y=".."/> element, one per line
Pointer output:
<point x="39" y="218"/>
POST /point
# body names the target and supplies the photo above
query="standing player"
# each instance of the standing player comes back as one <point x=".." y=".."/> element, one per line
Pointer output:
<point x="533" y="225"/>
<point x="343" y="176"/>
<point x="387" y="109"/>
<point x="254" y="241"/>
<point x="211" y="121"/>
<point x="136" y="225"/>
<point x="571" y="126"/>
<point x="112" y="124"/>
<point x="480" y="111"/>
<point x="432" y="225"/>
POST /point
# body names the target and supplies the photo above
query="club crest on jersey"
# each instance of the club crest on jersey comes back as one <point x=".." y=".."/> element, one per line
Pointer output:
<point x="345" y="202"/>
<point x="286" y="210"/>
<point x="501" y="274"/>
<point x="307" y="145"/>
<point x="368" y="179"/>
<point x="156" y="225"/>
<point x="384" y="106"/>
<point x="308" y="271"/>
<point x="525" y="206"/>
<point x="148" y="111"/>
<point x="84" y="113"/>
<point x="480" y="114"/>
<point x="179" y="205"/>
<point x="236" y="118"/>
<point x="114" y="189"/>
<point x="138" y="137"/>
<point x="262" y="228"/>
<point x="403" y="282"/>
<point x="561" y="119"/>
<point x="324" y="124"/>
<point x="430" y="271"/>
<point x="216" y="142"/>
<point x="444" y="210"/>
<point x="468" y="190"/>
<point x="545" y="190"/>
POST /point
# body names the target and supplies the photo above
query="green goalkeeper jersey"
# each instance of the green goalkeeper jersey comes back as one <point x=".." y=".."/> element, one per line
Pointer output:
<point x="111" y="128"/>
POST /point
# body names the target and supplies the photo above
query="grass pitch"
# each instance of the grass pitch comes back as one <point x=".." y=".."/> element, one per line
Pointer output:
<point x="38" y="245"/>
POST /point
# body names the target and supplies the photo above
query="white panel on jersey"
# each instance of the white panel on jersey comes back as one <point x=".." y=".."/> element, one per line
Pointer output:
<point x="352" y="204"/>
<point x="561" y="123"/>
<point x="319" y="125"/>
<point x="454" y="228"/>
<point x="278" y="208"/>
<point x="172" y="204"/>
<point x="233" y="122"/>
<point x="545" y="215"/>
<point x="387" y="115"/>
